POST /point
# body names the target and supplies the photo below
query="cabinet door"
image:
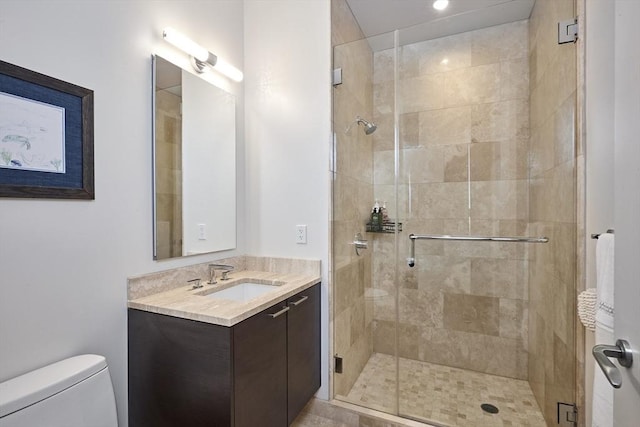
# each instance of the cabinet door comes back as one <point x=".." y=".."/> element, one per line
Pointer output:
<point x="179" y="372"/>
<point x="303" y="349"/>
<point x="260" y="369"/>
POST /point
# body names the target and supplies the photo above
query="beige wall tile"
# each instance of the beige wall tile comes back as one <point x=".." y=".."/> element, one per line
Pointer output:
<point x="384" y="167"/>
<point x="478" y="352"/>
<point x="444" y="54"/>
<point x="444" y="273"/>
<point x="514" y="79"/>
<point x="499" y="43"/>
<point x="421" y="307"/>
<point x="384" y="335"/>
<point x="356" y="61"/>
<point x="409" y="130"/>
<point x="499" y="121"/>
<point x="383" y="98"/>
<point x="514" y="319"/>
<point x="344" y="27"/>
<point x="445" y="126"/>
<point x="418" y="94"/>
<point x="565" y="135"/>
<point x="499" y="160"/>
<point x="473" y="85"/>
<point x="456" y="162"/>
<point x="505" y="199"/>
<point x="471" y="313"/>
<point x="383" y="66"/>
<point x="502" y="278"/>
<point x="383" y="137"/>
<point x="422" y="165"/>
<point x="440" y="200"/>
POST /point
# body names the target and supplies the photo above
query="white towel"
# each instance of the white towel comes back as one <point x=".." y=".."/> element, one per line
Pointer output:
<point x="602" y="390"/>
<point x="587" y="303"/>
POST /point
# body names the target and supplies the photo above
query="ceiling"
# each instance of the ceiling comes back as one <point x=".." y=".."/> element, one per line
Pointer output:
<point x="419" y="21"/>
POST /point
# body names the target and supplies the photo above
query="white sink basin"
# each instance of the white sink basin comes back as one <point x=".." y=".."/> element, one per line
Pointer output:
<point x="242" y="292"/>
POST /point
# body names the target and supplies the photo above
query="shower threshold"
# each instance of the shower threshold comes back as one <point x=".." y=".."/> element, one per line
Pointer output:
<point x="444" y="395"/>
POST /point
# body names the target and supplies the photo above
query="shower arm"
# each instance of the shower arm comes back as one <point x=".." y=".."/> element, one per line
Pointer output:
<point x="411" y="261"/>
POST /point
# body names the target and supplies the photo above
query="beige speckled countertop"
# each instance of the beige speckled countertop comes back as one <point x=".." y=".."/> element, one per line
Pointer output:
<point x="189" y="303"/>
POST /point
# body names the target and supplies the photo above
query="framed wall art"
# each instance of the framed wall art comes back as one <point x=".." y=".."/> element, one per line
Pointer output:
<point x="46" y="136"/>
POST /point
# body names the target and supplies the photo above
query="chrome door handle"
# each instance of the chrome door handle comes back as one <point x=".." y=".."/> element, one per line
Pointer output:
<point x="278" y="313"/>
<point x="621" y="351"/>
<point x="300" y="301"/>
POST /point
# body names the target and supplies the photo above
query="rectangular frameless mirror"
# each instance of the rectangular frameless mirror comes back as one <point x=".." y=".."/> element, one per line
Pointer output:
<point x="194" y="162"/>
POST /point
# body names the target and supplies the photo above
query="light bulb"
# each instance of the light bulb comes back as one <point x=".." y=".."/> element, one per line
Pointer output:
<point x="203" y="58"/>
<point x="228" y="70"/>
<point x="440" y="4"/>
<point x="185" y="44"/>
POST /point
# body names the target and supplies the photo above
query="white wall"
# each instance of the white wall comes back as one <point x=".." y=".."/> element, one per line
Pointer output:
<point x="64" y="264"/>
<point x="288" y="133"/>
<point x="599" y="122"/>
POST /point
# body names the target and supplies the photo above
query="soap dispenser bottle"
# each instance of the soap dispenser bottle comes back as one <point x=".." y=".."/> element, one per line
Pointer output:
<point x="376" y="217"/>
<point x="384" y="214"/>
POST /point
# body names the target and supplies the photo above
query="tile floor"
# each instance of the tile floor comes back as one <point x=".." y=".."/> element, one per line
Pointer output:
<point x="444" y="395"/>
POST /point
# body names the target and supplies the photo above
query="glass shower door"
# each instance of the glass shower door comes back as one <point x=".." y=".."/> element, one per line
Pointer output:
<point x="363" y="288"/>
<point x="474" y="137"/>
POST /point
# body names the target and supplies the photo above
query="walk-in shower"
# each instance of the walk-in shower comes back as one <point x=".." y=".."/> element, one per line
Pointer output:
<point x="461" y="312"/>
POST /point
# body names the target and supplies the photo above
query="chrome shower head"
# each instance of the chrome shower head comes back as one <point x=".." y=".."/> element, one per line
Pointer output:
<point x="369" y="127"/>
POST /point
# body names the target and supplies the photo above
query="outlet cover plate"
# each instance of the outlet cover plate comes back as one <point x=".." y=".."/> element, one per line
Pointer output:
<point x="301" y="234"/>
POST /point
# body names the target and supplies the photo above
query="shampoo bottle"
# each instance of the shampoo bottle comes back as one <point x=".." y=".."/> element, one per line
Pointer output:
<point x="376" y="217"/>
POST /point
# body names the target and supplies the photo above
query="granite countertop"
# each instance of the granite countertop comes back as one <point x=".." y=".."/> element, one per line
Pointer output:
<point x="189" y="303"/>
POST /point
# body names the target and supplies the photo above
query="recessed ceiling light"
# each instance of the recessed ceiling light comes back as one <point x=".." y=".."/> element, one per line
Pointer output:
<point x="440" y="4"/>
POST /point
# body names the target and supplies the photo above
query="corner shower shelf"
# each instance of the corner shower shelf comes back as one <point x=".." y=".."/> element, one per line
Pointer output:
<point x="387" y="227"/>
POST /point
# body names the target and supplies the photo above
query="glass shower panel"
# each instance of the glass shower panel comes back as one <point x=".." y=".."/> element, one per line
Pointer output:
<point x="364" y="302"/>
<point x="464" y="121"/>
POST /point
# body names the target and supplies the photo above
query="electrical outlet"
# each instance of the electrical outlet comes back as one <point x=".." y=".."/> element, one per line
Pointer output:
<point x="202" y="231"/>
<point x="301" y="234"/>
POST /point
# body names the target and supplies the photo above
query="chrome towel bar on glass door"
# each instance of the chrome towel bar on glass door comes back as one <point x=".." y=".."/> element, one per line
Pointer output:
<point x="413" y="237"/>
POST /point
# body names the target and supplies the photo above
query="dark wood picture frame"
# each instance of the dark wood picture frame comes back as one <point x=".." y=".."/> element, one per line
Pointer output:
<point x="78" y="180"/>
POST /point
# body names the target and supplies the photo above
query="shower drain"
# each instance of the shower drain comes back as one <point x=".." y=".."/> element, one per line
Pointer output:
<point x="488" y="407"/>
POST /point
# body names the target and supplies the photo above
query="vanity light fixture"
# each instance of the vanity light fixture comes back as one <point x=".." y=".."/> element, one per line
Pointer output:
<point x="440" y="4"/>
<point x="201" y="58"/>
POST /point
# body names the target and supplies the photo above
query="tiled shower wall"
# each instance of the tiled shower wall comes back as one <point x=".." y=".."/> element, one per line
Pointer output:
<point x="168" y="174"/>
<point x="552" y="272"/>
<point x="464" y="129"/>
<point x="352" y="198"/>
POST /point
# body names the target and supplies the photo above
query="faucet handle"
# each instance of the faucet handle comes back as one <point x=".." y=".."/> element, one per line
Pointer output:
<point x="196" y="283"/>
<point x="212" y="274"/>
<point x="222" y="267"/>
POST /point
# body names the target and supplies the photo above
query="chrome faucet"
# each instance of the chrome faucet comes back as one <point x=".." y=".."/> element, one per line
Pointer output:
<point x="195" y="283"/>
<point x="226" y="269"/>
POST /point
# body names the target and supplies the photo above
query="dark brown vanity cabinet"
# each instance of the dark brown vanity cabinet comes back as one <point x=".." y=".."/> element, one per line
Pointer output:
<point x="259" y="372"/>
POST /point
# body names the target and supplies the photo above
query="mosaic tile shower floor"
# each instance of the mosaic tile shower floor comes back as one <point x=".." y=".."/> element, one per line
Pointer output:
<point x="444" y="395"/>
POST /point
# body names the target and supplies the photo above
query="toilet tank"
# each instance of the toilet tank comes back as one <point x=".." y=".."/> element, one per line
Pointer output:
<point x="74" y="392"/>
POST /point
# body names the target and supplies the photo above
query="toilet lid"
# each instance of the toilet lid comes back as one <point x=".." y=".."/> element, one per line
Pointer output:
<point x="32" y="387"/>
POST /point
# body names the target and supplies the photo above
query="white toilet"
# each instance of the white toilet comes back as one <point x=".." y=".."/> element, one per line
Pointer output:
<point x="74" y="392"/>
